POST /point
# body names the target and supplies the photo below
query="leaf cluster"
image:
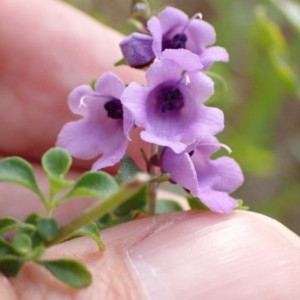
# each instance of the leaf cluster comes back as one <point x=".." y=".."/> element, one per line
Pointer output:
<point x="26" y="241"/>
<point x="29" y="244"/>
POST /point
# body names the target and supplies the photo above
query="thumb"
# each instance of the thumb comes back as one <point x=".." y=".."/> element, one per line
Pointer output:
<point x="187" y="255"/>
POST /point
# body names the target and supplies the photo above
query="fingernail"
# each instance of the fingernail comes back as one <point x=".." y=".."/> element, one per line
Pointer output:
<point x="210" y="256"/>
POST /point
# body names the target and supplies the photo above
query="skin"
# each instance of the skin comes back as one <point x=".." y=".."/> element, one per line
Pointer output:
<point x="46" y="49"/>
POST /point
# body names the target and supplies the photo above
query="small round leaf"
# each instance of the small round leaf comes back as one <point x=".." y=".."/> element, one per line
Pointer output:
<point x="5" y="247"/>
<point x="47" y="228"/>
<point x="22" y="243"/>
<point x="18" y="170"/>
<point x="91" y="230"/>
<point x="71" y="272"/>
<point x="94" y="184"/>
<point x="128" y="168"/>
<point x="10" y="265"/>
<point x="56" y="162"/>
<point x="7" y="224"/>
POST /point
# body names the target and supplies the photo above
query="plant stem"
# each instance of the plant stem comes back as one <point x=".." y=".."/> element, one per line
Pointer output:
<point x="152" y="186"/>
<point x="48" y="210"/>
<point x="152" y="193"/>
<point x="49" y="205"/>
<point x="125" y="192"/>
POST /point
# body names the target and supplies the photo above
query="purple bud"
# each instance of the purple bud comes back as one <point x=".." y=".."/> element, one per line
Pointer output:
<point x="137" y="50"/>
<point x="140" y="11"/>
<point x="138" y="7"/>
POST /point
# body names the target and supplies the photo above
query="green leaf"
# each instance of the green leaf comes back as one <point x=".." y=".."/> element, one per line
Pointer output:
<point x="220" y="86"/>
<point x="10" y="265"/>
<point x="122" y="193"/>
<point x="5" y="247"/>
<point x="93" y="83"/>
<point x="56" y="162"/>
<point x="69" y="271"/>
<point x="167" y="206"/>
<point x="18" y="170"/>
<point x="91" y="230"/>
<point x="36" y="238"/>
<point x="93" y="184"/>
<point x="32" y="219"/>
<point x="8" y="223"/>
<point x="272" y="39"/>
<point x="137" y="201"/>
<point x="128" y="168"/>
<point x="36" y="253"/>
<point x="270" y="33"/>
<point x="22" y="243"/>
<point x="106" y="221"/>
<point x="195" y="203"/>
<point x="121" y="62"/>
<point x="285" y="71"/>
<point x="47" y="228"/>
<point x="130" y="216"/>
<point x="241" y="205"/>
<point x="291" y="11"/>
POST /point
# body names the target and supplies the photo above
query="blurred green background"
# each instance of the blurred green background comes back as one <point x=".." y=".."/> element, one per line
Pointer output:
<point x="261" y="99"/>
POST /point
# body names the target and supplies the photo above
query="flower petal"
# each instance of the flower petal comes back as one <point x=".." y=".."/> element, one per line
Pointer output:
<point x="80" y="139"/>
<point x="162" y="71"/>
<point x="229" y="176"/>
<point x="111" y="156"/>
<point x="110" y="85"/>
<point x="171" y="19"/>
<point x="176" y="145"/>
<point x="154" y="27"/>
<point x="201" y="86"/>
<point x="181" y="169"/>
<point x="176" y="129"/>
<point x="134" y="98"/>
<point x="95" y="134"/>
<point x="128" y="123"/>
<point x="207" y="145"/>
<point x="88" y="138"/>
<point x="76" y="99"/>
<point x="173" y="128"/>
<point x="212" y="54"/>
<point x="217" y="201"/>
<point x="210" y="121"/>
<point x="200" y="34"/>
<point x="187" y="60"/>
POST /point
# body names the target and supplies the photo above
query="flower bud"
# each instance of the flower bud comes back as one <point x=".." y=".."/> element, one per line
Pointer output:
<point x="137" y="50"/>
<point x="140" y="10"/>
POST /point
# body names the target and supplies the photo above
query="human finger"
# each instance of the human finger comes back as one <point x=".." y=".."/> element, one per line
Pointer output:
<point x="47" y="49"/>
<point x="6" y="289"/>
<point x="187" y="255"/>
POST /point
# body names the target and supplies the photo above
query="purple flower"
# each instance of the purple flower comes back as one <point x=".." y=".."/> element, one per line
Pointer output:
<point x="137" y="50"/>
<point x="170" y="108"/>
<point x="105" y="126"/>
<point x="209" y="180"/>
<point x="172" y="29"/>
